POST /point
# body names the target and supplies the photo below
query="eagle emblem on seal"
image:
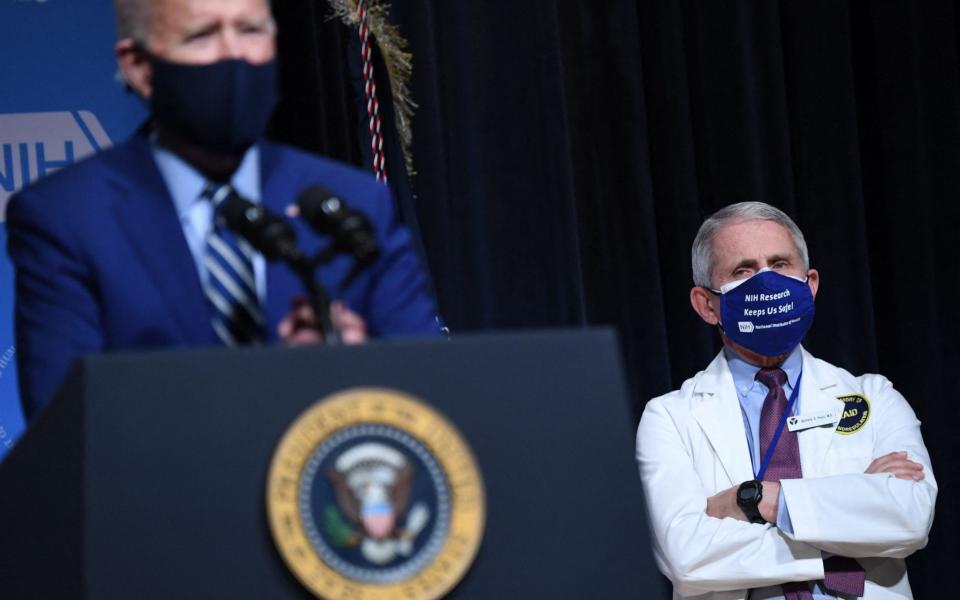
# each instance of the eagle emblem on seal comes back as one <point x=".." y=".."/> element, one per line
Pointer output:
<point x="372" y="484"/>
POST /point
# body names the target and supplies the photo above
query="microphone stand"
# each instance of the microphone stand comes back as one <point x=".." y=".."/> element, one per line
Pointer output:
<point x="318" y="298"/>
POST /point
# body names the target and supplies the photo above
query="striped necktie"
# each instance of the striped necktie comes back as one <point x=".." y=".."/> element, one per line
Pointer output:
<point x="231" y="287"/>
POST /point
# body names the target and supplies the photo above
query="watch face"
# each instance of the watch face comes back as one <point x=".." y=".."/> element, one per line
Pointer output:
<point x="748" y="492"/>
<point x="748" y="498"/>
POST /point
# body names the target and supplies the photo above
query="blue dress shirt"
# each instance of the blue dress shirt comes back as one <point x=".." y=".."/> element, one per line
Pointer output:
<point x="752" y="393"/>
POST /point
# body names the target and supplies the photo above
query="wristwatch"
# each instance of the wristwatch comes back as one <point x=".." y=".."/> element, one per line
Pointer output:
<point x="749" y="495"/>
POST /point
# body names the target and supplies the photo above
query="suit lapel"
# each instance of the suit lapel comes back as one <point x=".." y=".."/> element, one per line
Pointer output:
<point x="816" y="397"/>
<point x="146" y="214"/>
<point x="721" y="419"/>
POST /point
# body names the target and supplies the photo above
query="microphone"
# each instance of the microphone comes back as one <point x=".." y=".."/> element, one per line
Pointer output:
<point x="266" y="232"/>
<point x="350" y="230"/>
<point x="273" y="237"/>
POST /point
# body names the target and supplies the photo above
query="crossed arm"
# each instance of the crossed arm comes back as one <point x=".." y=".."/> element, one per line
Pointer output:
<point x="724" y="504"/>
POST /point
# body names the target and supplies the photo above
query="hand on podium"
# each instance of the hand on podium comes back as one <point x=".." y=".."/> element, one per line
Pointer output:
<point x="301" y="328"/>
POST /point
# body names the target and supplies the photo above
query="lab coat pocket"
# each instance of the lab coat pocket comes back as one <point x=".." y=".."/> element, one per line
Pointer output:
<point x="848" y="455"/>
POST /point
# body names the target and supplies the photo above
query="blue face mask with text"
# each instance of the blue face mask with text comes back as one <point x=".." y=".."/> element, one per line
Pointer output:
<point x="768" y="313"/>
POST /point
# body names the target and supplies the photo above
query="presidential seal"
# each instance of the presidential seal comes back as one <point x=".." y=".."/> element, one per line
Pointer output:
<point x="373" y="494"/>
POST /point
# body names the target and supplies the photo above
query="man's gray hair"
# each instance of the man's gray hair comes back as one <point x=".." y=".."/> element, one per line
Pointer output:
<point x="702" y="252"/>
<point x="133" y="19"/>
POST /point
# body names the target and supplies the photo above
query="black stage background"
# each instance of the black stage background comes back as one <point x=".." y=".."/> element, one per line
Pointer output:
<point x="567" y="151"/>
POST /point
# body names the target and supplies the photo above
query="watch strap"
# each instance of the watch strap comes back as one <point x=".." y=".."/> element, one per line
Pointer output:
<point x="749" y="495"/>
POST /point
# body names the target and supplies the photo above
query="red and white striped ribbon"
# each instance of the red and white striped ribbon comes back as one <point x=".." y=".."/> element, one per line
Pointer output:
<point x="370" y="91"/>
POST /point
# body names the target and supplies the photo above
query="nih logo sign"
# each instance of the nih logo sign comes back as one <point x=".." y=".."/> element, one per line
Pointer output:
<point x="35" y="144"/>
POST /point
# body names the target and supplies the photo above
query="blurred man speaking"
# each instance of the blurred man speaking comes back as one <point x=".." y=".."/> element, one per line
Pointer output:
<point x="773" y="474"/>
<point x="127" y="250"/>
<point x="208" y="70"/>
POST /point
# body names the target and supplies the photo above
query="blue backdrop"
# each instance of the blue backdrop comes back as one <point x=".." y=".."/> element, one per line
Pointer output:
<point x="60" y="99"/>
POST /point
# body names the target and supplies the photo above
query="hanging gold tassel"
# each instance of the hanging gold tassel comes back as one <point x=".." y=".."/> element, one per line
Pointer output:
<point x="398" y="61"/>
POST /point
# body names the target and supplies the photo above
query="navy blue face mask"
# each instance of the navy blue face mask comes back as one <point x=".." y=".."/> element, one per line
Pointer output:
<point x="768" y="313"/>
<point x="223" y="107"/>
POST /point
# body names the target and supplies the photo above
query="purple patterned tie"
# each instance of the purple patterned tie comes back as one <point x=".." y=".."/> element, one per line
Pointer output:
<point x="842" y="574"/>
<point x="785" y="462"/>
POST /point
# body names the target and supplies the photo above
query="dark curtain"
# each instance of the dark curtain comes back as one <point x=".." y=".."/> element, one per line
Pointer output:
<point x="567" y="151"/>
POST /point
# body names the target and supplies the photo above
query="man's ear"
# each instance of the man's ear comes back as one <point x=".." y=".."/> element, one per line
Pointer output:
<point x="813" y="280"/>
<point x="135" y="67"/>
<point x="706" y="304"/>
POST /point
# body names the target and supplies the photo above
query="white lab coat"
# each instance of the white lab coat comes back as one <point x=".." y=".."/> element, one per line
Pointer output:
<point x="691" y="444"/>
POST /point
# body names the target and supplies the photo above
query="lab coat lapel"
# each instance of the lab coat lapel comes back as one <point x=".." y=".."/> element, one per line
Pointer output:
<point x="721" y="419"/>
<point x="816" y="396"/>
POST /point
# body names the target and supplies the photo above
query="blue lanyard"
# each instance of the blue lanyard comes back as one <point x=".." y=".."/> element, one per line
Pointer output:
<point x="776" y="435"/>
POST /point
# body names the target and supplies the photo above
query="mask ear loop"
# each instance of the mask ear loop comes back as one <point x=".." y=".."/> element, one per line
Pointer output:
<point x="718" y="294"/>
<point x="141" y="48"/>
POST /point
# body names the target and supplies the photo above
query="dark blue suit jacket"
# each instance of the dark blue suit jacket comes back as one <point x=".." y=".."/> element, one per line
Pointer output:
<point x="102" y="264"/>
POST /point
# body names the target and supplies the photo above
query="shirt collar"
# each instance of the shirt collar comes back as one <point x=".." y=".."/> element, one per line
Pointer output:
<point x="744" y="373"/>
<point x="186" y="183"/>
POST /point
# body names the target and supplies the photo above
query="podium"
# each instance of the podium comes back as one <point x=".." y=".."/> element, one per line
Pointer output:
<point x="146" y="477"/>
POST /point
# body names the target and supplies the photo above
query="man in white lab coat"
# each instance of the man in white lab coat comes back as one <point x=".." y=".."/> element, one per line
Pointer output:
<point x="773" y="474"/>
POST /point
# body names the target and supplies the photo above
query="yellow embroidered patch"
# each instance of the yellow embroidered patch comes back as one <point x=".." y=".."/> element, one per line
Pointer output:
<point x="856" y="411"/>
